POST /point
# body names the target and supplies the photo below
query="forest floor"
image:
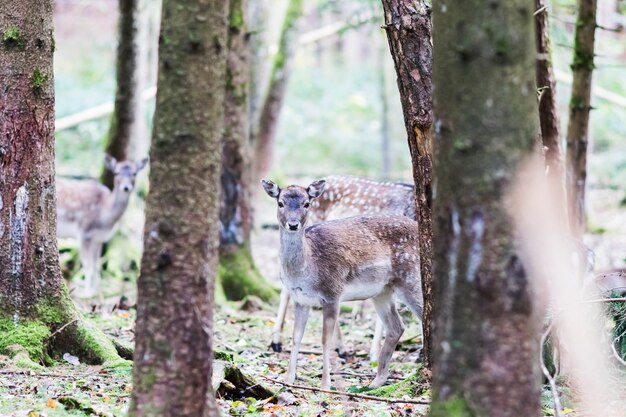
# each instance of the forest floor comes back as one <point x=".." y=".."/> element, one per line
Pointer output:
<point x="244" y="332"/>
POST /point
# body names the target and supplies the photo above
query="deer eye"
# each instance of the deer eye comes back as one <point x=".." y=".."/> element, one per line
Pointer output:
<point x="306" y="205"/>
<point x="280" y="204"/>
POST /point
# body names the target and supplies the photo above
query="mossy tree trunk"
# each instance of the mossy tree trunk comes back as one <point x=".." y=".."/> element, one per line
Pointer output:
<point x="579" y="107"/>
<point x="125" y="112"/>
<point x="238" y="274"/>
<point x="265" y="133"/>
<point x="408" y="29"/>
<point x="172" y="370"/>
<point x="36" y="313"/>
<point x="486" y="340"/>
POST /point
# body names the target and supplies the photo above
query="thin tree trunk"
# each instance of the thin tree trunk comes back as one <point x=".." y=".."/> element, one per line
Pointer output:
<point x="172" y="370"/>
<point x="126" y="94"/>
<point x="485" y="348"/>
<point x="34" y="302"/>
<point x="408" y="29"/>
<point x="579" y="107"/>
<point x="548" y="109"/>
<point x="238" y="274"/>
<point x="265" y="133"/>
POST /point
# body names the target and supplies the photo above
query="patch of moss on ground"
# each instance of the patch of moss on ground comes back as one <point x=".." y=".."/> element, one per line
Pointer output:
<point x="455" y="406"/>
<point x="96" y="347"/>
<point x="413" y="386"/>
<point x="240" y="277"/>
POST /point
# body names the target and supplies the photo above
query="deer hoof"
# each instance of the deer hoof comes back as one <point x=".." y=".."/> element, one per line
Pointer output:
<point x="378" y="382"/>
<point x="342" y="353"/>
<point x="277" y="347"/>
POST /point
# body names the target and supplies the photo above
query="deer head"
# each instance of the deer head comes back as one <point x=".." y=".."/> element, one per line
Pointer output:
<point x="293" y="202"/>
<point x="125" y="172"/>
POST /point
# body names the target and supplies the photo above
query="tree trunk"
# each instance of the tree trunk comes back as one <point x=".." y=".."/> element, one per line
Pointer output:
<point x="126" y="95"/>
<point x="265" y="133"/>
<point x="548" y="111"/>
<point x="172" y="370"/>
<point x="36" y="314"/>
<point x="238" y="274"/>
<point x="485" y="349"/>
<point x="579" y="106"/>
<point x="408" y="29"/>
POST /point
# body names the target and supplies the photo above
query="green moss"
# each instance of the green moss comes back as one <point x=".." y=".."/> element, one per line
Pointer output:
<point x="240" y="277"/>
<point x="118" y="364"/>
<point x="28" y="334"/>
<point x="13" y="37"/>
<point x="147" y="380"/>
<point x="413" y="386"/>
<point x="95" y="347"/>
<point x="22" y="360"/>
<point x="453" y="407"/>
<point x="49" y="312"/>
<point x="223" y="356"/>
<point x="38" y="79"/>
<point x="236" y="19"/>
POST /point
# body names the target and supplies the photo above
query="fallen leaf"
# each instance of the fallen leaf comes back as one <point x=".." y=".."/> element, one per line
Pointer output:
<point x="51" y="403"/>
<point x="71" y="359"/>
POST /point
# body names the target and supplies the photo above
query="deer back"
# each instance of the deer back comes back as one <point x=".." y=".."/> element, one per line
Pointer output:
<point x="346" y="196"/>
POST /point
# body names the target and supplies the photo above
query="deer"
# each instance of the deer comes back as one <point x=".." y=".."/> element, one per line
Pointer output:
<point x="347" y="196"/>
<point x="355" y="258"/>
<point x="89" y="212"/>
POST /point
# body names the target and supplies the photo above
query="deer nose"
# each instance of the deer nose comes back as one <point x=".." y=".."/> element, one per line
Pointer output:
<point x="126" y="188"/>
<point x="293" y="226"/>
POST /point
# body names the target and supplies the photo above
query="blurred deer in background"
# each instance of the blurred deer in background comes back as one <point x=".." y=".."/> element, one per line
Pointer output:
<point x="89" y="212"/>
<point x="356" y="258"/>
<point x="347" y="196"/>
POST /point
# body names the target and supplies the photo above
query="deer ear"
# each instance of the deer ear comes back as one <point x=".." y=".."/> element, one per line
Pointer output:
<point x="110" y="162"/>
<point x="316" y="188"/>
<point x="271" y="188"/>
<point x="142" y="164"/>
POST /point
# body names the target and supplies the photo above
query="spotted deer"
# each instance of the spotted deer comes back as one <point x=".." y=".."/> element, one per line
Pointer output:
<point x="89" y="212"/>
<point x="346" y="196"/>
<point x="356" y="258"/>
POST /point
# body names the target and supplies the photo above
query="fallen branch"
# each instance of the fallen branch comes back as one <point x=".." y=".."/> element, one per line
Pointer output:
<point x="348" y="394"/>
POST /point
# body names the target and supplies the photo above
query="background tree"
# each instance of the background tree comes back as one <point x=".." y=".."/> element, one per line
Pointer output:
<point x="37" y="317"/>
<point x="485" y="348"/>
<point x="172" y="370"/>
<point x="127" y="95"/>
<point x="408" y="29"/>
<point x="238" y="274"/>
<point x="265" y="132"/>
<point x="579" y="107"/>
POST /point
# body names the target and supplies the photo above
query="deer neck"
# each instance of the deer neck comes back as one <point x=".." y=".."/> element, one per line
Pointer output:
<point x="115" y="207"/>
<point x="294" y="253"/>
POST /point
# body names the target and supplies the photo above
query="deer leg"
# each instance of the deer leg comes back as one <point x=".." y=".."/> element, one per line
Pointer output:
<point x="386" y="309"/>
<point x="378" y="337"/>
<point x="88" y="267"/>
<point x="329" y="314"/>
<point x="95" y="283"/>
<point x="339" y="346"/>
<point x="301" y="317"/>
<point x="276" y="345"/>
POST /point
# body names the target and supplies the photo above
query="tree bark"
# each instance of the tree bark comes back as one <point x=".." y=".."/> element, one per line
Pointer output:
<point x="36" y="313"/>
<point x="172" y="370"/>
<point x="485" y="349"/>
<point x="127" y="94"/>
<point x="238" y="274"/>
<point x="579" y="106"/>
<point x="408" y="29"/>
<point x="546" y="84"/>
<point x="265" y="134"/>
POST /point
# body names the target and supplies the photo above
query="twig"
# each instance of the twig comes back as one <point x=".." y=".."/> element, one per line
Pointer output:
<point x="60" y="329"/>
<point x="603" y="300"/>
<point x="617" y="356"/>
<point x="546" y="373"/>
<point x="542" y="9"/>
<point x="348" y="394"/>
